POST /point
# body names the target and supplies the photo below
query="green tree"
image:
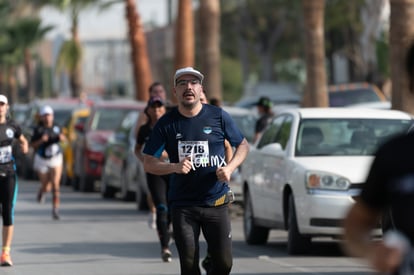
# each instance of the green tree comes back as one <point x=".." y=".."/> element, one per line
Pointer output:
<point x="70" y="55"/>
<point x="26" y="33"/>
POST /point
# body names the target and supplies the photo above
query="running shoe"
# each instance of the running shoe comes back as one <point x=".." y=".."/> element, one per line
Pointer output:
<point x="166" y="255"/>
<point x="55" y="214"/>
<point x="5" y="259"/>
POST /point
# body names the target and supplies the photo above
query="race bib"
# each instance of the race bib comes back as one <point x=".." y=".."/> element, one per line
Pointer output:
<point x="196" y="151"/>
<point x="52" y="150"/>
<point x="5" y="154"/>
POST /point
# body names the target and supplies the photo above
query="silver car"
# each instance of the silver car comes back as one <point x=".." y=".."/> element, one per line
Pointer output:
<point x="307" y="169"/>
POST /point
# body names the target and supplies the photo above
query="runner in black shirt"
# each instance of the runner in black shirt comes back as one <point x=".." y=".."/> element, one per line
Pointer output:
<point x="9" y="131"/>
<point x="387" y="192"/>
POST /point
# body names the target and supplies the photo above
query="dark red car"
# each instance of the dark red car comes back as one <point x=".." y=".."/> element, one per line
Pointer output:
<point x="93" y="135"/>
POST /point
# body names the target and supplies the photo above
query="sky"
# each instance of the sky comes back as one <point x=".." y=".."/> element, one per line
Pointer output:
<point x="95" y="24"/>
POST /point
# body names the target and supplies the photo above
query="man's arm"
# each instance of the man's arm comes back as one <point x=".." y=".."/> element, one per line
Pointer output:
<point x="157" y="166"/>
<point x="358" y="225"/>
<point x="224" y="173"/>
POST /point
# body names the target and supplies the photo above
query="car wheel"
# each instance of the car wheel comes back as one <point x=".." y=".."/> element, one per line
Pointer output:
<point x="296" y="243"/>
<point x="126" y="194"/>
<point x="107" y="191"/>
<point x="253" y="234"/>
<point x="75" y="183"/>
<point x="86" y="183"/>
<point x="64" y="176"/>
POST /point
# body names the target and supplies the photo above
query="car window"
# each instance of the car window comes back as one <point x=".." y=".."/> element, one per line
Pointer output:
<point x="246" y="125"/>
<point x="349" y="137"/>
<point x="61" y="116"/>
<point x="282" y="136"/>
<point x="270" y="133"/>
<point x="108" y="118"/>
<point x="129" y="120"/>
<point x="350" y="97"/>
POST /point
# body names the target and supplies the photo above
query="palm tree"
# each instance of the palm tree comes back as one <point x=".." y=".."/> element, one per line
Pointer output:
<point x="210" y="50"/>
<point x="316" y="94"/>
<point x="70" y="55"/>
<point x="401" y="36"/>
<point x="10" y="58"/>
<point x="26" y="33"/>
<point x="140" y="62"/>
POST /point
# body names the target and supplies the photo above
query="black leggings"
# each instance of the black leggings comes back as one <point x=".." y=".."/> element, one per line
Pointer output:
<point x="158" y="187"/>
<point x="8" y="196"/>
<point x="215" y="224"/>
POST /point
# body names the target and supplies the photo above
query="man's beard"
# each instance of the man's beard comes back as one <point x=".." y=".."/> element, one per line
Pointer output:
<point x="189" y="105"/>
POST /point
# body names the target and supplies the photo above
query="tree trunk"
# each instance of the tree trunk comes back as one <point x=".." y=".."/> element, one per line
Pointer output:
<point x="142" y="74"/>
<point x="28" y="74"/>
<point x="75" y="75"/>
<point x="11" y="84"/>
<point x="401" y="37"/>
<point x="184" y="35"/>
<point x="316" y="94"/>
<point x="210" y="51"/>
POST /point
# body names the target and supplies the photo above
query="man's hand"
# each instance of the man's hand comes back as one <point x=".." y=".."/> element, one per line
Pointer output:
<point x="184" y="166"/>
<point x="385" y="259"/>
<point x="223" y="174"/>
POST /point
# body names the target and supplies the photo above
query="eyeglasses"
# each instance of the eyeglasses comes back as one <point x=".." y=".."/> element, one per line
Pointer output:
<point x="184" y="82"/>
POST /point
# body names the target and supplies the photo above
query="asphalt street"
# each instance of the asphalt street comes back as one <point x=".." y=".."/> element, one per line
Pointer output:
<point x="106" y="237"/>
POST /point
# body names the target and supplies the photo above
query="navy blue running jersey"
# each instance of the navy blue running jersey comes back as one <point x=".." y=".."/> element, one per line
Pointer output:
<point x="200" y="138"/>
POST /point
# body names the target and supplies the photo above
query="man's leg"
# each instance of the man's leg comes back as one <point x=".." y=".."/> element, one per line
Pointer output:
<point x="186" y="229"/>
<point x="216" y="226"/>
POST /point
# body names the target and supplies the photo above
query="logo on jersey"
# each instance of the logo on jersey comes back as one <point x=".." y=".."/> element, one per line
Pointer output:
<point x="207" y="130"/>
<point x="56" y="129"/>
<point x="178" y="136"/>
<point x="9" y="132"/>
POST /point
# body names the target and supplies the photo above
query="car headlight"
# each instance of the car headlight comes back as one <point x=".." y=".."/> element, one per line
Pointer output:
<point x="326" y="181"/>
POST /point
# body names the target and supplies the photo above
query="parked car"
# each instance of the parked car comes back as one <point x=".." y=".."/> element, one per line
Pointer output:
<point x="78" y="117"/>
<point x="123" y="172"/>
<point x="342" y="95"/>
<point x="282" y="95"/>
<point x="92" y="137"/>
<point x="245" y="120"/>
<point x="19" y="112"/>
<point x="307" y="169"/>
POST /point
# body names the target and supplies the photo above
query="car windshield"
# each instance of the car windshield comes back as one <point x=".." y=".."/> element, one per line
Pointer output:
<point x="346" y="137"/>
<point x="349" y="97"/>
<point x="61" y="116"/>
<point x="108" y="118"/>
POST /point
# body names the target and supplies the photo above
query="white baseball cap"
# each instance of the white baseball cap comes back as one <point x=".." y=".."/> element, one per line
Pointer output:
<point x="3" y="99"/>
<point x="188" y="70"/>
<point x="46" y="110"/>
